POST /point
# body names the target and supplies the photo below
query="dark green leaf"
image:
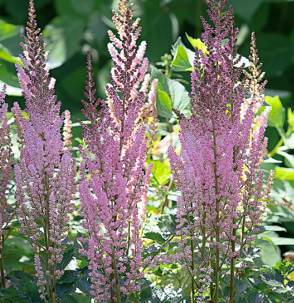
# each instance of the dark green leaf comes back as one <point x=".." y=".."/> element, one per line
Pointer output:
<point x="155" y="237"/>
<point x="245" y="9"/>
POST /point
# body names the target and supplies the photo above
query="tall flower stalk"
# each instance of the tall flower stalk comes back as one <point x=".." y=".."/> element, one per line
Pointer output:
<point x="45" y="176"/>
<point x="7" y="212"/>
<point x="218" y="171"/>
<point x="113" y="188"/>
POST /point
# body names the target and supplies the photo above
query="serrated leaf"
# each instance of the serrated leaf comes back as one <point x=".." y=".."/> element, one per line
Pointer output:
<point x="272" y="278"/>
<point x="67" y="257"/>
<point x="69" y="277"/>
<point x="155" y="237"/>
<point x="31" y="291"/>
<point x="84" y="285"/>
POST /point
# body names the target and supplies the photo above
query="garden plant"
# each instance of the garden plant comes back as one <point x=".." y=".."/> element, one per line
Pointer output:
<point x="171" y="194"/>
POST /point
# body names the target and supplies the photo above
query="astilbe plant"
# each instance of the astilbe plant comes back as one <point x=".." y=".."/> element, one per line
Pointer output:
<point x="218" y="171"/>
<point x="45" y="176"/>
<point x="113" y="186"/>
<point x="7" y="211"/>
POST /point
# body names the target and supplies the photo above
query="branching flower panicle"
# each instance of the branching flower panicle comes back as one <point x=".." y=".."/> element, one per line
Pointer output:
<point x="7" y="211"/>
<point x="218" y="142"/>
<point x="45" y="176"/>
<point x="117" y="183"/>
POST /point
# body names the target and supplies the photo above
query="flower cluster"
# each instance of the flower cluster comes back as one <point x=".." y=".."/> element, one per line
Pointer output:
<point x="218" y="168"/>
<point x="5" y="165"/>
<point x="45" y="176"/>
<point x="113" y="184"/>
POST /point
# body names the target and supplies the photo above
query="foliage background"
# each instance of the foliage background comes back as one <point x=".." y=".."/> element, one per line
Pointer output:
<point x="71" y="27"/>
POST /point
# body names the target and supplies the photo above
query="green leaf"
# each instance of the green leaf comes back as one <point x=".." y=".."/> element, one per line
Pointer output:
<point x="163" y="104"/>
<point x="282" y="241"/>
<point x="161" y="172"/>
<point x="66" y="298"/>
<point x="62" y="37"/>
<point x="8" y="30"/>
<point x="181" y="61"/>
<point x="277" y="114"/>
<point x="245" y="9"/>
<point x="67" y="257"/>
<point x="197" y="43"/>
<point x="177" y="93"/>
<point x="276" y="52"/>
<point x="84" y="7"/>
<point x="290" y="117"/>
<point x="269" y="253"/>
<point x="84" y="284"/>
<point x="69" y="277"/>
<point x="11" y="295"/>
<point x="288" y="139"/>
<point x="81" y="298"/>
<point x="284" y="173"/>
<point x="289" y="159"/>
<point x="272" y="278"/>
<point x="155" y="237"/>
<point x="31" y="291"/>
<point x="7" y="56"/>
<point x="285" y="267"/>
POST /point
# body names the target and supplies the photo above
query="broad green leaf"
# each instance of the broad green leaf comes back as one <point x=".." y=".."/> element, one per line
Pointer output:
<point x="282" y="241"/>
<point x="177" y="93"/>
<point x="276" y="51"/>
<point x="31" y="291"/>
<point x="269" y="254"/>
<point x="289" y="159"/>
<point x="163" y="104"/>
<point x="245" y="9"/>
<point x="277" y="114"/>
<point x="7" y="56"/>
<point x="67" y="257"/>
<point x="197" y="43"/>
<point x="8" y="30"/>
<point x="155" y="237"/>
<point x="284" y="173"/>
<point x="181" y="61"/>
<point x="62" y="37"/>
<point x="183" y="57"/>
<point x="288" y="139"/>
<point x="161" y="172"/>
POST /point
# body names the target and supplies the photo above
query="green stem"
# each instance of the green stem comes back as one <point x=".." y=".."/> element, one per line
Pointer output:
<point x="192" y="267"/>
<point x="116" y="276"/>
<point x="233" y="261"/>
<point x="3" y="284"/>
<point x="273" y="152"/>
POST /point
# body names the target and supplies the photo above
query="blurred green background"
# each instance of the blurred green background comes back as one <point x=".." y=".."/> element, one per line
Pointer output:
<point x="71" y="27"/>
